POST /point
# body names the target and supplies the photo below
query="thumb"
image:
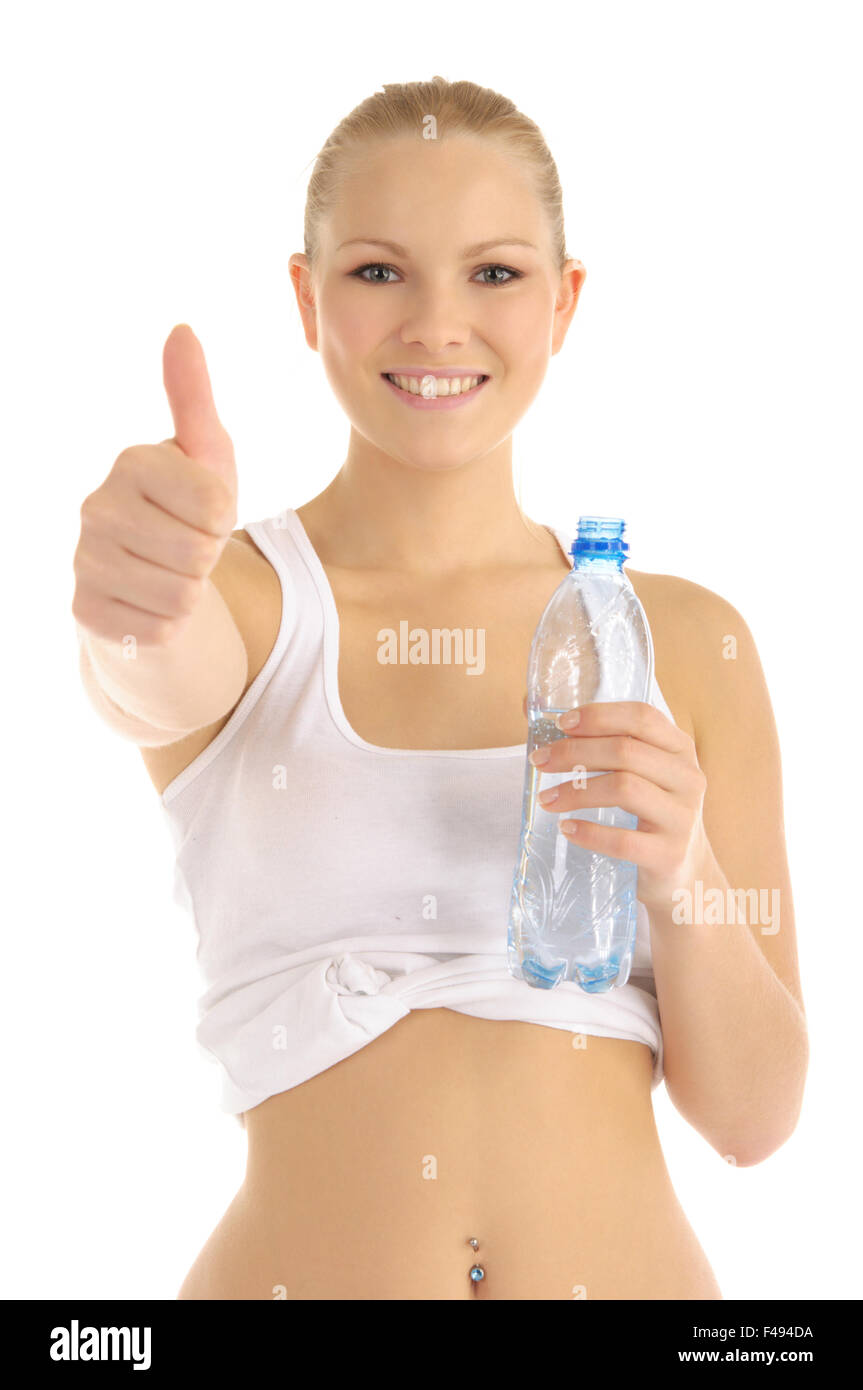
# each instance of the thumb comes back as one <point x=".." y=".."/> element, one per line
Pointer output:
<point x="198" y="431"/>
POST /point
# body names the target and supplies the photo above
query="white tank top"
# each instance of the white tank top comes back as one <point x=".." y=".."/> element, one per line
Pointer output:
<point x="336" y="885"/>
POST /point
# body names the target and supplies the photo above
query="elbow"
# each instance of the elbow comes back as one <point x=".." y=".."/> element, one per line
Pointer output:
<point x="752" y="1122"/>
<point x="747" y="1151"/>
<point x="743" y="1145"/>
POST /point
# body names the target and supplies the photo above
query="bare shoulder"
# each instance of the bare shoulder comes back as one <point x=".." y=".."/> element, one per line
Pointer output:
<point x="243" y="577"/>
<point x="245" y="539"/>
<point x="250" y="587"/>
<point x="687" y="621"/>
<point x="673" y="598"/>
<point x="702" y="647"/>
<point x="685" y="611"/>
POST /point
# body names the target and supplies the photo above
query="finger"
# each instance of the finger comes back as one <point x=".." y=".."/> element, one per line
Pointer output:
<point x="152" y="589"/>
<point x="647" y="801"/>
<point x="197" y="428"/>
<point x="620" y="753"/>
<point x="150" y="533"/>
<point x="190" y="493"/>
<point x="633" y="846"/>
<point x="633" y="717"/>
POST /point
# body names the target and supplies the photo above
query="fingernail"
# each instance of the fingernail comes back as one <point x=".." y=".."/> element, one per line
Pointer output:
<point x="547" y="797"/>
<point x="540" y="756"/>
<point x="568" y="720"/>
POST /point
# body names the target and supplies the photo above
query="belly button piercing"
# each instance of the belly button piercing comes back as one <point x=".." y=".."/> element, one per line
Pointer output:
<point x="477" y="1272"/>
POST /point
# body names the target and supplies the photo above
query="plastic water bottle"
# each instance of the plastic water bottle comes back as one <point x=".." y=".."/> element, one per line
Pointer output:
<point x="573" y="912"/>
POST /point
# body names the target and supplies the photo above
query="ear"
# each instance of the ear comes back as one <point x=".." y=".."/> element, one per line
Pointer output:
<point x="304" y="290"/>
<point x="572" y="278"/>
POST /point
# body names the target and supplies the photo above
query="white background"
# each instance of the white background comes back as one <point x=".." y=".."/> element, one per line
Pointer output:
<point x="154" y="165"/>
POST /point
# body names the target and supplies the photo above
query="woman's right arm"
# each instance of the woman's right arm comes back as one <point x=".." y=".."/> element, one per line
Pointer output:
<point x="160" y="654"/>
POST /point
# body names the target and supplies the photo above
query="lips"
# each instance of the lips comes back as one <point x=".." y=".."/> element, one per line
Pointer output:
<point x="424" y="380"/>
<point x="420" y="372"/>
<point x="421" y="401"/>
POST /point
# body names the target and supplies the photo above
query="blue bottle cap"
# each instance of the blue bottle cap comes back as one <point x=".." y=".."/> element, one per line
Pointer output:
<point x="600" y="535"/>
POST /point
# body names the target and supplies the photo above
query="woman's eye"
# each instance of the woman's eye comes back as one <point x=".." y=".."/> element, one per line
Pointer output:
<point x="513" y="274"/>
<point x="360" y="273"/>
<point x="376" y="265"/>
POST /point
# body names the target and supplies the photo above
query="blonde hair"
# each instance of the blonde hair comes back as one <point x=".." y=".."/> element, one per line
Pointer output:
<point x="458" y="108"/>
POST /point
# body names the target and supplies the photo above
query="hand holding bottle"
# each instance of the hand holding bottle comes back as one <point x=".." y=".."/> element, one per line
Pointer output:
<point x="648" y="767"/>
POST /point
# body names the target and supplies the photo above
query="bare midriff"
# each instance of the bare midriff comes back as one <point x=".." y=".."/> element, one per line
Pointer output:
<point x="368" y="1180"/>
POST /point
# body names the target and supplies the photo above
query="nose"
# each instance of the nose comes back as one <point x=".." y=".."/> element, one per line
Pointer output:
<point x="437" y="320"/>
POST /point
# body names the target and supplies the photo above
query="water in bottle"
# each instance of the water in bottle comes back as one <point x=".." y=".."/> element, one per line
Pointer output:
<point x="573" y="912"/>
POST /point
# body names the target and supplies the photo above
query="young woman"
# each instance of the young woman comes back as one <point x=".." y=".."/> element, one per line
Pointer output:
<point x="420" y="1124"/>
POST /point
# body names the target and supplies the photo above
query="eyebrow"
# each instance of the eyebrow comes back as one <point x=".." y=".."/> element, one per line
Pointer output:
<point x="467" y="253"/>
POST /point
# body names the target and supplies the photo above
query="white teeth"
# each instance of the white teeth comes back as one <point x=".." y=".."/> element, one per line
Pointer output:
<point x="430" y="386"/>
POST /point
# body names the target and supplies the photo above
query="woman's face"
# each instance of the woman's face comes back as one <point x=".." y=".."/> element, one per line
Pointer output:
<point x="435" y="299"/>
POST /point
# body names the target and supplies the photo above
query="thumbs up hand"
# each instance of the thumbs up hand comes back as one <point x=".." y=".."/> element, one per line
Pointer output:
<point x="154" y="530"/>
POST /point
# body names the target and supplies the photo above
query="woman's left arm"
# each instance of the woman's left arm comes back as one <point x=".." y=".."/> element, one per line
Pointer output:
<point x="713" y="874"/>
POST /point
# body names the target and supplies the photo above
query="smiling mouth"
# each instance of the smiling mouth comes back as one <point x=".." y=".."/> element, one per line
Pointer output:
<point x="432" y="387"/>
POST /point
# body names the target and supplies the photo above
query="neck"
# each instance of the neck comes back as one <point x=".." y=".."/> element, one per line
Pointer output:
<point x="380" y="513"/>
